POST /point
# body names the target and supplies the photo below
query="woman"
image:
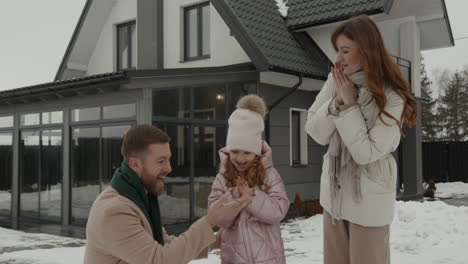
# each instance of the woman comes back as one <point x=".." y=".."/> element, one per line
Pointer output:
<point x="359" y="113"/>
<point x="253" y="236"/>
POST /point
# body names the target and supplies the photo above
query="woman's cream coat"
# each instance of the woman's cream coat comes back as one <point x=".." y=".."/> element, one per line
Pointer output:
<point x="370" y="148"/>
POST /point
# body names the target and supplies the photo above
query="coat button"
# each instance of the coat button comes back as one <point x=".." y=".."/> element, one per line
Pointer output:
<point x="339" y="186"/>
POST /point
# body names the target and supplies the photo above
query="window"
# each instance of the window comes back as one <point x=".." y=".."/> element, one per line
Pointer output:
<point x="52" y="117"/>
<point x="44" y="118"/>
<point x="41" y="175"/>
<point x="298" y="137"/>
<point x="6" y="175"/>
<point x="95" y="154"/>
<point x="121" y="111"/>
<point x="210" y="102"/>
<point x="6" y="121"/>
<point x="197" y="31"/>
<point x="126" y="46"/>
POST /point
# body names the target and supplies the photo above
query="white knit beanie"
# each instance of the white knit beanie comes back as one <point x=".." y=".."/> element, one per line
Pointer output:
<point x="246" y="125"/>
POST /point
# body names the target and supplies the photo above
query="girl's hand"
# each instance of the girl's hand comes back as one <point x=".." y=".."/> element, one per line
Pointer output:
<point x="345" y="88"/>
<point x="243" y="187"/>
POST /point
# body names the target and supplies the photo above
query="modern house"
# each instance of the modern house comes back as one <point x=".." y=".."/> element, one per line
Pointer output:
<point x="182" y="65"/>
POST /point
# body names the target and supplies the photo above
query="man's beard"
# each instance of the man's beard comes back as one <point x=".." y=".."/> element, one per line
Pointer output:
<point x="151" y="183"/>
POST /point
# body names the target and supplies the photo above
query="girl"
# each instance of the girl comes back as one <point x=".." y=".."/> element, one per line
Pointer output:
<point x="359" y="113"/>
<point x="246" y="169"/>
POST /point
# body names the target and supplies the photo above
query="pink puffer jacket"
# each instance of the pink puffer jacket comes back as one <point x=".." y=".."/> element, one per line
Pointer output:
<point x="254" y="235"/>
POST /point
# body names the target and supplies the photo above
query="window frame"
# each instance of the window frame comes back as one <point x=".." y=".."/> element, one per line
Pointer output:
<point x="128" y="25"/>
<point x="303" y="145"/>
<point x="186" y="38"/>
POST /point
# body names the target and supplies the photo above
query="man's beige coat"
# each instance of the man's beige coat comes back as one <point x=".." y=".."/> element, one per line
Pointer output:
<point x="118" y="232"/>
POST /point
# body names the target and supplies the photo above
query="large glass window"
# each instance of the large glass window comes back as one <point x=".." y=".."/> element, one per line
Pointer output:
<point x="95" y="157"/>
<point x="30" y="170"/>
<point x="51" y="175"/>
<point x="197" y="31"/>
<point x="214" y="102"/>
<point x="207" y="141"/>
<point x="85" y="172"/>
<point x="6" y="152"/>
<point x="175" y="203"/>
<point x="111" y="156"/>
<point x="126" y="45"/>
<point x="196" y="120"/>
<point x="41" y="175"/>
<point x="171" y="103"/>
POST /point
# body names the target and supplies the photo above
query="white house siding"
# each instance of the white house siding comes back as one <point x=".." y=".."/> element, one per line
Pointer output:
<point x="103" y="59"/>
<point x="224" y="48"/>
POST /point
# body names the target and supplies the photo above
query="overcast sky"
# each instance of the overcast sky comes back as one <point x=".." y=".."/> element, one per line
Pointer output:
<point x="35" y="33"/>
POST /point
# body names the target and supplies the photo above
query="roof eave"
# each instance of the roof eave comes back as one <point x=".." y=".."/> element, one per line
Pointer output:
<point x="73" y="39"/>
<point x="337" y="19"/>
<point x="447" y="20"/>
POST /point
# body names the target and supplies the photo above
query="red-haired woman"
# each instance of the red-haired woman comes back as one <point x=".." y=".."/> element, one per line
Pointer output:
<point x="360" y="113"/>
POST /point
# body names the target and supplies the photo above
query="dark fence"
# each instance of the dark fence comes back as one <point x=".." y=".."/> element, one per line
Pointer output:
<point x="445" y="161"/>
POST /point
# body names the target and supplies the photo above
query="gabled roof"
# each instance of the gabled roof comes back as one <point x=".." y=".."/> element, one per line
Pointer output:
<point x="308" y="13"/>
<point x="262" y="32"/>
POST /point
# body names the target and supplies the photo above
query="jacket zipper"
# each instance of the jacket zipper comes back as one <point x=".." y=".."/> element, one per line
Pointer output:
<point x="247" y="241"/>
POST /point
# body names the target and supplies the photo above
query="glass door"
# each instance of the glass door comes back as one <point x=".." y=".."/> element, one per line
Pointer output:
<point x="41" y="176"/>
<point x="207" y="140"/>
<point x="30" y="170"/>
<point x="175" y="202"/>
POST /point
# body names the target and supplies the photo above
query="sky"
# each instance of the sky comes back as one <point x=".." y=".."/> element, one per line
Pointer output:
<point x="35" y="34"/>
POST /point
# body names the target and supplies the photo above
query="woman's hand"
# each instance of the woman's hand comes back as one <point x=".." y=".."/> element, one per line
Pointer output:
<point x="345" y="89"/>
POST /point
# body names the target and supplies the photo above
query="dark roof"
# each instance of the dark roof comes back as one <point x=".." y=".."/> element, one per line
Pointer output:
<point x="307" y="13"/>
<point x="121" y="76"/>
<point x="60" y="85"/>
<point x="262" y="32"/>
<point x="241" y="67"/>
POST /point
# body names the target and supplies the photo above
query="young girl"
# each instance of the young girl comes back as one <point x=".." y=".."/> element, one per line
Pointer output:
<point x="359" y="113"/>
<point x="253" y="235"/>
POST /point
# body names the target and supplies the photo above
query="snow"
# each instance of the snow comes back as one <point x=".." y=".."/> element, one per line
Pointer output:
<point x="282" y="8"/>
<point x="451" y="189"/>
<point x="422" y="232"/>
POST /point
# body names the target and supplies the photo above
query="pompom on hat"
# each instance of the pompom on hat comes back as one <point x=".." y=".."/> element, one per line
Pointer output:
<point x="246" y="125"/>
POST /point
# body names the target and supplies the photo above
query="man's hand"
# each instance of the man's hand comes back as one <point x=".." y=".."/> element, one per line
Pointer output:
<point x="222" y="208"/>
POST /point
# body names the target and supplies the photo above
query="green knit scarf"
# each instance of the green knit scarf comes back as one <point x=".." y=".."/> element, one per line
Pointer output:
<point x="128" y="184"/>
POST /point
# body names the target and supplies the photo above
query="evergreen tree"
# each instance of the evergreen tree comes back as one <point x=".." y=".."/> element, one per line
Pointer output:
<point x="453" y="109"/>
<point x="431" y="128"/>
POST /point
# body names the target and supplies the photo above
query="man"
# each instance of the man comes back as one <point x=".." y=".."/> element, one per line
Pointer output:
<point x="124" y="225"/>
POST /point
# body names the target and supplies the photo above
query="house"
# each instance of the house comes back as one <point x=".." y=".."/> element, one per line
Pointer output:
<point x="181" y="65"/>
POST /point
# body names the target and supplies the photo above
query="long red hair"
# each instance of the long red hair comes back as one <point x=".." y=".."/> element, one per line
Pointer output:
<point x="379" y="66"/>
<point x="255" y="175"/>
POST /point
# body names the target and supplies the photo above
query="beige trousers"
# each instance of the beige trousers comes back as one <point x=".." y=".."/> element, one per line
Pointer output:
<point x="348" y="243"/>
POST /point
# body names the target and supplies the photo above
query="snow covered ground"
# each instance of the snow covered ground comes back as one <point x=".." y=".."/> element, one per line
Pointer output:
<point x="427" y="232"/>
<point x="451" y="189"/>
